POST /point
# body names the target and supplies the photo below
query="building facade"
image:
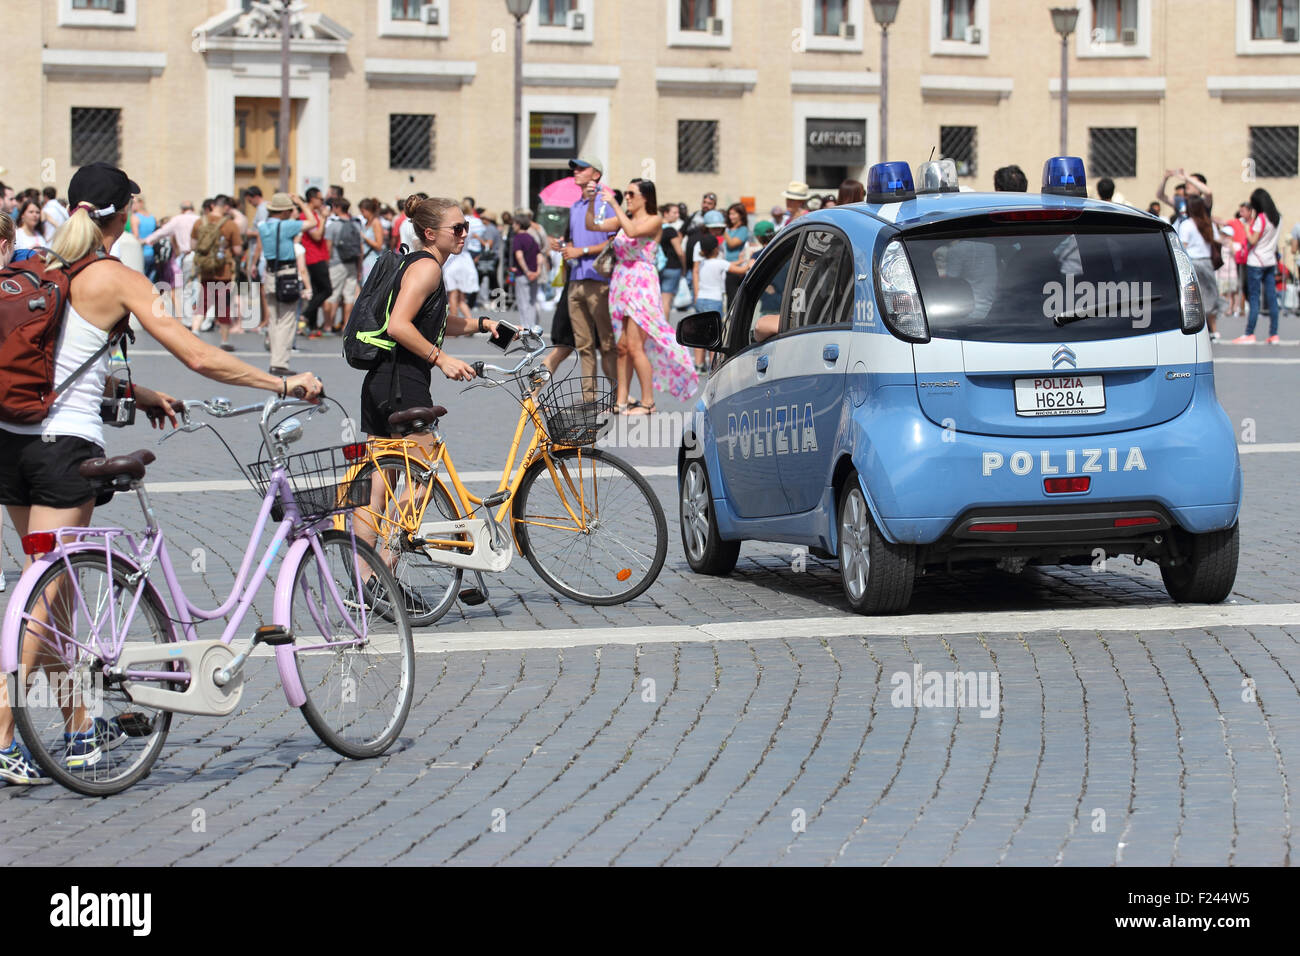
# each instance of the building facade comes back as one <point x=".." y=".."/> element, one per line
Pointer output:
<point x="737" y="97"/>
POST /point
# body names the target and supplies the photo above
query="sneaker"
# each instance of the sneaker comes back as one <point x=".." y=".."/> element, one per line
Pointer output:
<point x="88" y="747"/>
<point x="1215" y="336"/>
<point x="227" y="347"/>
<point x="1244" y="340"/>
<point x="17" y="766"/>
<point x="207" y="324"/>
<point x="1272" y="340"/>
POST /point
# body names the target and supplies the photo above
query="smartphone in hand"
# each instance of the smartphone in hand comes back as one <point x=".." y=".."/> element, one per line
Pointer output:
<point x="503" y="336"/>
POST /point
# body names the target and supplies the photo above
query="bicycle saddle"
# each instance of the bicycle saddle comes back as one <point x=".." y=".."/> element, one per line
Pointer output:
<point x="411" y="416"/>
<point x="120" y="466"/>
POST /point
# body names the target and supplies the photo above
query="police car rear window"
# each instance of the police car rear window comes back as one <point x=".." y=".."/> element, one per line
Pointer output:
<point x="1040" y="286"/>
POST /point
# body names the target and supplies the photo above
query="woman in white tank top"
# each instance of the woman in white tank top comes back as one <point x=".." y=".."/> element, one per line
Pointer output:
<point x="40" y="486"/>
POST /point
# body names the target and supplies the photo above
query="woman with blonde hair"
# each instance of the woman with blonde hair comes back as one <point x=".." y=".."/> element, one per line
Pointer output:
<point x="418" y="323"/>
<point x="40" y="484"/>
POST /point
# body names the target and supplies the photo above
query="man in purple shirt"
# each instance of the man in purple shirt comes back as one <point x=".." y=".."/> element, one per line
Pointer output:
<point x="588" y="290"/>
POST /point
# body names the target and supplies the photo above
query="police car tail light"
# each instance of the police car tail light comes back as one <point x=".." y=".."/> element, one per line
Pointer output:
<point x="1063" y="176"/>
<point x="939" y="176"/>
<point x="900" y="299"/>
<point x="1067" y="486"/>
<point x="1188" y="291"/>
<point x="889" y="182"/>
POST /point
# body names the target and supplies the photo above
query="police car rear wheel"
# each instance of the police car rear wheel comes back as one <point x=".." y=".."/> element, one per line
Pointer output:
<point x="877" y="576"/>
<point x="706" y="552"/>
<point x="1208" y="569"/>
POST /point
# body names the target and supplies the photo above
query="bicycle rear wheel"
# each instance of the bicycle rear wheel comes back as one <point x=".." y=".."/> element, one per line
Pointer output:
<point x="64" y="691"/>
<point x="595" y="532"/>
<point x="357" y="672"/>
<point x="428" y="586"/>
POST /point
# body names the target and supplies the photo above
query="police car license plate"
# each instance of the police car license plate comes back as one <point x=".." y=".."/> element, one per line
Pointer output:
<point x="1060" y="395"/>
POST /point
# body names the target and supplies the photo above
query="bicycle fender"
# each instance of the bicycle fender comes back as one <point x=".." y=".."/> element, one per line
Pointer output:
<point x="285" y="661"/>
<point x="27" y="584"/>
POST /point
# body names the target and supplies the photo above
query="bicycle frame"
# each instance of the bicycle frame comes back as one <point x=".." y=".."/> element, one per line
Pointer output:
<point x="512" y="476"/>
<point x="139" y="559"/>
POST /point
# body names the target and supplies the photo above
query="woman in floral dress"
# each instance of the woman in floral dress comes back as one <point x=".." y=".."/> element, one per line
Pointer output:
<point x="647" y="344"/>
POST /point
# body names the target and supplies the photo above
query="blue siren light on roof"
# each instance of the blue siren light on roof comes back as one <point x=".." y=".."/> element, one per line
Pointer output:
<point x="889" y="182"/>
<point x="1063" y="176"/>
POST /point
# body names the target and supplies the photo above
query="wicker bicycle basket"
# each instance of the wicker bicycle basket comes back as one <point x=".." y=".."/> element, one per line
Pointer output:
<point x="575" y="409"/>
<point x="316" y="479"/>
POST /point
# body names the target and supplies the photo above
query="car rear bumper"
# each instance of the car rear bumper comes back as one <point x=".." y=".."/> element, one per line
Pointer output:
<point x="923" y="481"/>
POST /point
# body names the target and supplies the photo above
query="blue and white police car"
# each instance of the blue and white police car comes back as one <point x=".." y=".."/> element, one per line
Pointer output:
<point x="935" y="378"/>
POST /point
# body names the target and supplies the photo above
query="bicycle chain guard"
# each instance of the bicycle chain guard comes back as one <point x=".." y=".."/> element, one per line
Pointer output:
<point x="484" y="557"/>
<point x="202" y="659"/>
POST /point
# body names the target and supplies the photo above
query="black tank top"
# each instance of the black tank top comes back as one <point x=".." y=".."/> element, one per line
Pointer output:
<point x="430" y="320"/>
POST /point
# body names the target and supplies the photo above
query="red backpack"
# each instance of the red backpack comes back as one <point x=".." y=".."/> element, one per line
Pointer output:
<point x="33" y="301"/>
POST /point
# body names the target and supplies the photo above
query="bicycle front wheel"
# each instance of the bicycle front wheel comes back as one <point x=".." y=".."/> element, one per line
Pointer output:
<point x="594" y="529"/>
<point x="356" y="667"/>
<point x="82" y="731"/>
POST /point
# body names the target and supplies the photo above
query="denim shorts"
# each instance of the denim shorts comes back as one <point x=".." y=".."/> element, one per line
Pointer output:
<point x="708" y="305"/>
<point x="670" y="280"/>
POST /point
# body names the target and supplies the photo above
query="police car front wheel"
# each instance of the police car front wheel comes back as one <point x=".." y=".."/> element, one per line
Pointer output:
<point x="877" y="575"/>
<point x="706" y="552"/>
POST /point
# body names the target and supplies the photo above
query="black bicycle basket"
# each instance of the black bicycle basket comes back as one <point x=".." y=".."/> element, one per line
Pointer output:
<point x="575" y="408"/>
<point x="316" y="478"/>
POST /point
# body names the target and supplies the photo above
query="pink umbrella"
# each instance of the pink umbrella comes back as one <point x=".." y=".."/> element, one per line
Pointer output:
<point x="563" y="192"/>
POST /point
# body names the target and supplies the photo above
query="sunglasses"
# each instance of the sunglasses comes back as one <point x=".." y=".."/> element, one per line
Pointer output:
<point x="460" y="229"/>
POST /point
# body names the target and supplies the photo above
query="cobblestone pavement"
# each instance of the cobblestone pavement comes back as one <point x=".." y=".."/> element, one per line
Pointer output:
<point x="1116" y="730"/>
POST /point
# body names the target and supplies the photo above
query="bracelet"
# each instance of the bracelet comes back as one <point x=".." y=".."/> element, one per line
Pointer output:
<point x="284" y="387"/>
<point x="429" y="359"/>
<point x="480" y="324"/>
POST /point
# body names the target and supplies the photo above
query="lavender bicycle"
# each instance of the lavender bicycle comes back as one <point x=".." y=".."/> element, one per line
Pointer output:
<point x="102" y="665"/>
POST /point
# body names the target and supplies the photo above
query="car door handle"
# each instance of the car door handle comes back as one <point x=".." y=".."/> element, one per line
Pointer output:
<point x="830" y="353"/>
<point x="761" y="365"/>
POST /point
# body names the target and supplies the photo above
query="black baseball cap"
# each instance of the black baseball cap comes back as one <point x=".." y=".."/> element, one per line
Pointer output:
<point x="104" y="186"/>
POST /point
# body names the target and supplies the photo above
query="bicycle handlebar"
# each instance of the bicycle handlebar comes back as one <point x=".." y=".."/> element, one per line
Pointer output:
<point x="531" y="338"/>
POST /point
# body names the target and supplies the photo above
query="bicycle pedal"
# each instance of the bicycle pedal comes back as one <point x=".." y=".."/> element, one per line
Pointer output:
<point x="472" y="597"/>
<point x="272" y="634"/>
<point x="135" y="724"/>
<point x="494" y="499"/>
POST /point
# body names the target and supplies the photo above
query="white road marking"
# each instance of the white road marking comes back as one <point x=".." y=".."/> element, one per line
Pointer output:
<point x="1268" y="447"/>
<point x="1258" y="361"/>
<point x="468" y="477"/>
<point x="1169" y="617"/>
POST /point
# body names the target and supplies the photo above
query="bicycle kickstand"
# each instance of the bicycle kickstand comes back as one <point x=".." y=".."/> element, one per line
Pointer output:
<point x="475" y="596"/>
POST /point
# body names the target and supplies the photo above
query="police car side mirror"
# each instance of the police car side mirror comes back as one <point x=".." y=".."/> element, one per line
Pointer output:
<point x="703" y="330"/>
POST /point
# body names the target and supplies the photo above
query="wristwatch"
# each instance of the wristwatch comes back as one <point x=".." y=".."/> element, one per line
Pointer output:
<point x="480" y="324"/>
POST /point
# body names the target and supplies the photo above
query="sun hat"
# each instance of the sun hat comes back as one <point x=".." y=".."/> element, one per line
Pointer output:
<point x="797" y="191"/>
<point x="280" y="202"/>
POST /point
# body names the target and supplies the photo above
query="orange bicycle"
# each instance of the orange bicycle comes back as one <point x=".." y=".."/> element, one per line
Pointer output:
<point x="587" y="521"/>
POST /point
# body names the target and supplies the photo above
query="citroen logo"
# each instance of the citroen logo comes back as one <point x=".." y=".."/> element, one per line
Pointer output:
<point x="1064" y="355"/>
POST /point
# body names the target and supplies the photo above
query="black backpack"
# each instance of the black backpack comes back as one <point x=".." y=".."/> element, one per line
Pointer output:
<point x="365" y="338"/>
